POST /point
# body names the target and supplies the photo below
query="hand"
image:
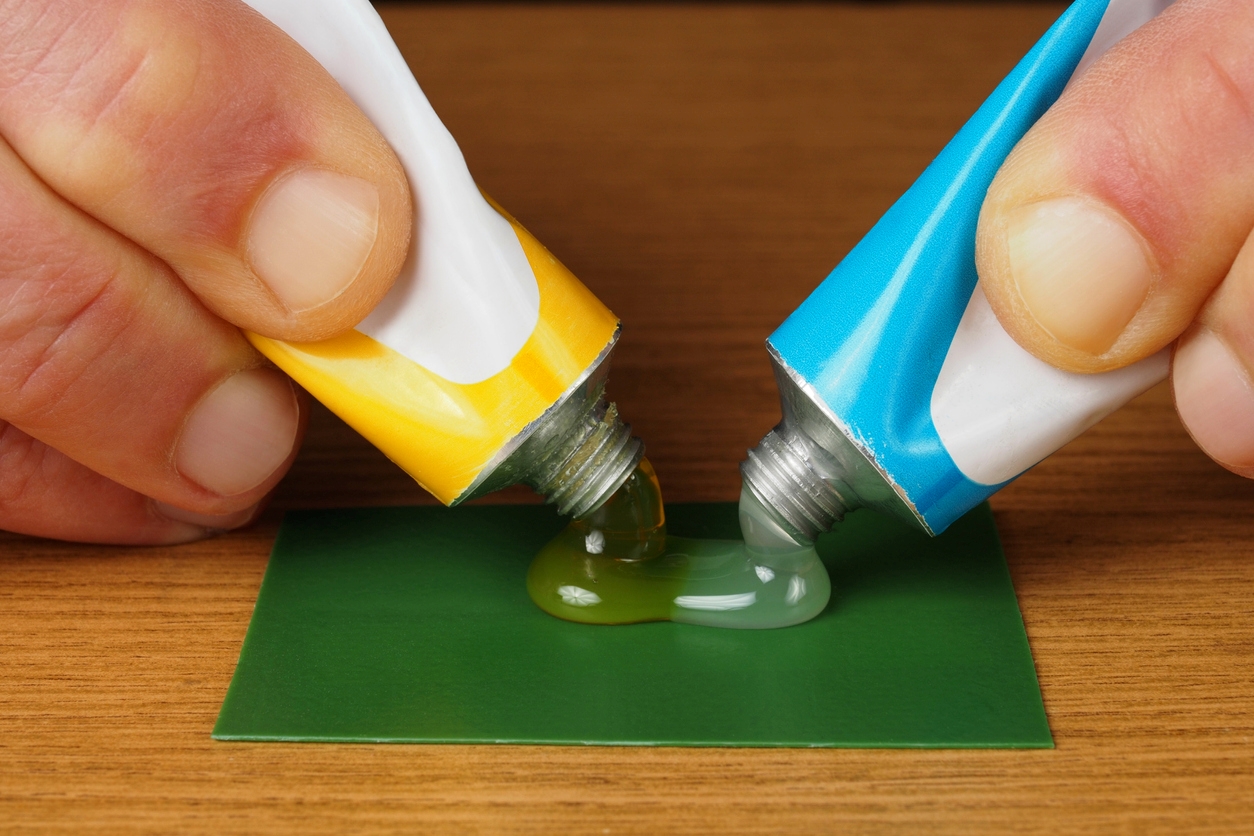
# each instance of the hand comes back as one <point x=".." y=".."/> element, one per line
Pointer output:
<point x="1122" y="221"/>
<point x="170" y="171"/>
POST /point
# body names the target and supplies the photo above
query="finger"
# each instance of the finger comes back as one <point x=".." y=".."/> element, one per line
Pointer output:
<point x="1212" y="370"/>
<point x="1122" y="209"/>
<point x="107" y="357"/>
<point x="46" y="494"/>
<point x="206" y="135"/>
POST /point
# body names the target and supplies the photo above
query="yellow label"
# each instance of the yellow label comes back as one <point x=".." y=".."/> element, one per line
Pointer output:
<point x="444" y="433"/>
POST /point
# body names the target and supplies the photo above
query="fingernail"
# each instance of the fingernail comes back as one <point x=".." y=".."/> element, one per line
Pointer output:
<point x="240" y="433"/>
<point x="1080" y="270"/>
<point x="210" y="522"/>
<point x="1215" y="399"/>
<point x="310" y="235"/>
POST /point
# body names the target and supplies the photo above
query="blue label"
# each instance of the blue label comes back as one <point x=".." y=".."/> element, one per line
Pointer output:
<point x="872" y="337"/>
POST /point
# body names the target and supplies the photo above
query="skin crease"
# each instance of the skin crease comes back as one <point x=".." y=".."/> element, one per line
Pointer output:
<point x="137" y="139"/>
<point x="1159" y="133"/>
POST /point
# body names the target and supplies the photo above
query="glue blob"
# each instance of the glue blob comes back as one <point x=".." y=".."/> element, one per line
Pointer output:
<point x="618" y="566"/>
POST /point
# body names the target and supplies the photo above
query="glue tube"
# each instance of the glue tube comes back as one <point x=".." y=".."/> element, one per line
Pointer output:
<point x="900" y="389"/>
<point x="485" y="364"/>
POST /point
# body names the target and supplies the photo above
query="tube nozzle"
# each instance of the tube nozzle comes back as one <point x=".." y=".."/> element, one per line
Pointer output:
<point x="779" y="472"/>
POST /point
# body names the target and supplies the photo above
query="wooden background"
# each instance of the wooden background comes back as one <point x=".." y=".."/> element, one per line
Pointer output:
<point x="701" y="168"/>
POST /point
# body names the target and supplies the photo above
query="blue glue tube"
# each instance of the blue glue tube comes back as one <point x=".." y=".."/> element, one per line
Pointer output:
<point x="900" y="389"/>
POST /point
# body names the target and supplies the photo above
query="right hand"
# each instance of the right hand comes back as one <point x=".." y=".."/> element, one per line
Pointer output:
<point x="1122" y="222"/>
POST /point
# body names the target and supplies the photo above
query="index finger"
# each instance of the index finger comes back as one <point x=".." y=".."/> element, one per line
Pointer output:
<point x="206" y="135"/>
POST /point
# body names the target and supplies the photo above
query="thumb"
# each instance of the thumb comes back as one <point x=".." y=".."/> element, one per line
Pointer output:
<point x="1121" y="211"/>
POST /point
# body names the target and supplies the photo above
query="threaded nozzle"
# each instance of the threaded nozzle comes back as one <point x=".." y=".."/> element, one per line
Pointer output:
<point x="780" y="473"/>
<point x="592" y="461"/>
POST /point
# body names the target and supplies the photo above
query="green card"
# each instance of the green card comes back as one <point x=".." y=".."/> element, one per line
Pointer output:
<point x="414" y="625"/>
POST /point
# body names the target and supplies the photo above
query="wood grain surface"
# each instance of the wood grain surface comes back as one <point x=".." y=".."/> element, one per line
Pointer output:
<point x="701" y="168"/>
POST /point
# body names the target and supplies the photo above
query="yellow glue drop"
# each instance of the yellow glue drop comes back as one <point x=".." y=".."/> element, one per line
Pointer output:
<point x="618" y="566"/>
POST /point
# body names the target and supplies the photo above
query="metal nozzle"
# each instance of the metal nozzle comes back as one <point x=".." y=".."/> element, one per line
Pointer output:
<point x="779" y="473"/>
<point x="807" y="473"/>
<point x="591" y="461"/>
<point x="576" y="454"/>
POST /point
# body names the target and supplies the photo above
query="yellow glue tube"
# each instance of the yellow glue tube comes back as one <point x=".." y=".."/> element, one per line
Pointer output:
<point x="485" y="364"/>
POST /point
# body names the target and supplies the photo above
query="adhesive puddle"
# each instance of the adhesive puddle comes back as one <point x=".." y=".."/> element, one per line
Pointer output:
<point x="619" y="566"/>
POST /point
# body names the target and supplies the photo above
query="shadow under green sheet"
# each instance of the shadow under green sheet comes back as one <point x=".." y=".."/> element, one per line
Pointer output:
<point x="414" y="625"/>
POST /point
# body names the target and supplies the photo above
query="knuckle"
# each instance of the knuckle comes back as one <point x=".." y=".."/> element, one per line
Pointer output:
<point x="57" y="321"/>
<point x="99" y="88"/>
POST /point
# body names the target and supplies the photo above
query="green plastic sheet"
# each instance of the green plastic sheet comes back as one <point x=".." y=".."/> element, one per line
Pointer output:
<point x="414" y="625"/>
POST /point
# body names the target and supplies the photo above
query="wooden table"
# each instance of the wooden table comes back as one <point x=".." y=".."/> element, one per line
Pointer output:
<point x="701" y="168"/>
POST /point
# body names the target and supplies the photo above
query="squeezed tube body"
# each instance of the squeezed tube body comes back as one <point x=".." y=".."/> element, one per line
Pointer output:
<point x="900" y="389"/>
<point x="485" y="364"/>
